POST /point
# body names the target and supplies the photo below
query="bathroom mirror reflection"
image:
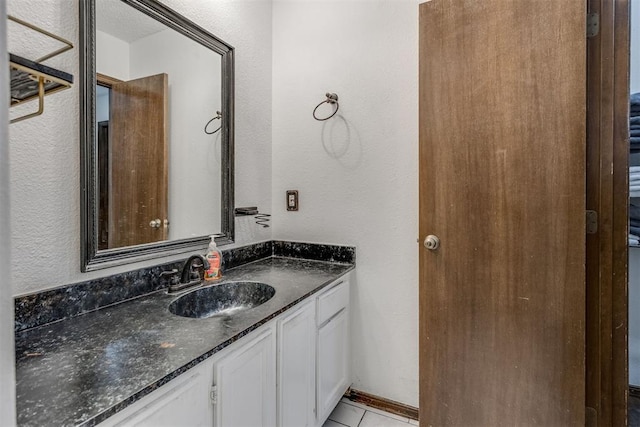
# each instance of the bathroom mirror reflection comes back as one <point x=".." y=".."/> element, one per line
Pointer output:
<point x="158" y="133"/>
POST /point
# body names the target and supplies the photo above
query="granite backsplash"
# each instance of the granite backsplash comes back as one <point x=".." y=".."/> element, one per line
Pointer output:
<point x="72" y="300"/>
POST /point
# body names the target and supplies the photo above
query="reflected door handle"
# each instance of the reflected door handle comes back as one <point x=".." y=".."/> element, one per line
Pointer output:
<point x="156" y="223"/>
<point x="431" y="242"/>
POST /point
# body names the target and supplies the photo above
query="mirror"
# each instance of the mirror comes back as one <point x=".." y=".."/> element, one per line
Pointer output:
<point x="156" y="133"/>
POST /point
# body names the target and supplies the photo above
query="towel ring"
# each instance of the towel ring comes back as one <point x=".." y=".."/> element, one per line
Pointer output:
<point x="219" y="117"/>
<point x="332" y="98"/>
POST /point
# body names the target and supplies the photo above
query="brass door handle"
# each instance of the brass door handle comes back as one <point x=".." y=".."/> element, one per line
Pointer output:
<point x="431" y="242"/>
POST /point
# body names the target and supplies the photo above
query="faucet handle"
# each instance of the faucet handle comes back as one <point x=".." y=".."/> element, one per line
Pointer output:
<point x="172" y="275"/>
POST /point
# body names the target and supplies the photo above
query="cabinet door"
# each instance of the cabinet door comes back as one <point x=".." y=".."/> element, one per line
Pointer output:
<point x="246" y="384"/>
<point x="296" y="367"/>
<point x="183" y="402"/>
<point x="333" y="363"/>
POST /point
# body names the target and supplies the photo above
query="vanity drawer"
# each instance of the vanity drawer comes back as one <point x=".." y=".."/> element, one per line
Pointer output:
<point x="333" y="300"/>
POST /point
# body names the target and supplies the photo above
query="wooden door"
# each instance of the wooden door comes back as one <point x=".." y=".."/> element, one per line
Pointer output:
<point x="502" y="184"/>
<point x="103" y="184"/>
<point x="138" y="161"/>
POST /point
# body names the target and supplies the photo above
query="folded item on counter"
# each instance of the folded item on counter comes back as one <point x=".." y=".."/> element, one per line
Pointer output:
<point x="634" y="222"/>
<point x="634" y="120"/>
<point x="634" y="242"/>
<point x="634" y="230"/>
<point x="634" y="99"/>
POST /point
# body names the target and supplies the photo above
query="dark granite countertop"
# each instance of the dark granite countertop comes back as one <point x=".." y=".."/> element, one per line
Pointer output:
<point x="82" y="370"/>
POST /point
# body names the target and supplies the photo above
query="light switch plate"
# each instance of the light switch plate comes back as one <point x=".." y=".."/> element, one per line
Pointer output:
<point x="292" y="200"/>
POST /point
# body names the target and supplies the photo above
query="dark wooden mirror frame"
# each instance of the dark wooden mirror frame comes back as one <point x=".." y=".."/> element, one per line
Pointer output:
<point x="91" y="257"/>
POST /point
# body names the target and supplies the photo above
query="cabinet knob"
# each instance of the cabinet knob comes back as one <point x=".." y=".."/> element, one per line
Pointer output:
<point x="156" y="223"/>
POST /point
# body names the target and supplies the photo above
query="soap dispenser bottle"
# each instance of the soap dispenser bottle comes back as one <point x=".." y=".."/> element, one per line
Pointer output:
<point x="214" y="256"/>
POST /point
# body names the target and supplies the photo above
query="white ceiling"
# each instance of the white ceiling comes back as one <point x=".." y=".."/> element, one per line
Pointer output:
<point x="124" y="22"/>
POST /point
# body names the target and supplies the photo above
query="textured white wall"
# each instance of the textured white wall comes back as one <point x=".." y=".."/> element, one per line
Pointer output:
<point x="45" y="173"/>
<point x="7" y="362"/>
<point x="357" y="172"/>
<point x="112" y="56"/>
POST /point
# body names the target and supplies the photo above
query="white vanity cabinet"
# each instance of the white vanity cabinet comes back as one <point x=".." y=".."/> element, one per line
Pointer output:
<point x="245" y="384"/>
<point x="333" y="362"/>
<point x="314" y="357"/>
<point x="297" y="367"/>
<point x="292" y="371"/>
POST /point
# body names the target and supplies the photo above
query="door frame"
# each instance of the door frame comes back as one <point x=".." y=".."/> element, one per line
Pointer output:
<point x="607" y="193"/>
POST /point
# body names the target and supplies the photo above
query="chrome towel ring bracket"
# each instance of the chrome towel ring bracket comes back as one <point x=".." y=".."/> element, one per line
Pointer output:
<point x="218" y="117"/>
<point x="332" y="98"/>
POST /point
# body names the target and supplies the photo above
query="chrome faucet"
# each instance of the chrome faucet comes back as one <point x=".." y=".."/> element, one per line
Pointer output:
<point x="190" y="276"/>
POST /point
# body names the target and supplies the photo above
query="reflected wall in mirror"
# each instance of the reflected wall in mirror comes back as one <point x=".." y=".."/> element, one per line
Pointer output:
<point x="157" y="135"/>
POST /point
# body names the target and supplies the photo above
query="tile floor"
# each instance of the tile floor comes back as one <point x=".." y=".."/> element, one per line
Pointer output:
<point x="351" y="414"/>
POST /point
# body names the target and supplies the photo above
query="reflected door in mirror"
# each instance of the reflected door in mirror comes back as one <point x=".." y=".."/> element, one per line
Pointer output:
<point x="138" y="162"/>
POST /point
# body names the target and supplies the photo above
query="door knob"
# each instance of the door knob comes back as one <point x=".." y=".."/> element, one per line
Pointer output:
<point x="155" y="223"/>
<point x="431" y="242"/>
